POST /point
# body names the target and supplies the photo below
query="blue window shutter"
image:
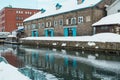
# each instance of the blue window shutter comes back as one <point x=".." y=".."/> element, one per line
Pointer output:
<point x="46" y="33"/>
<point x="65" y="31"/>
<point x="74" y="31"/>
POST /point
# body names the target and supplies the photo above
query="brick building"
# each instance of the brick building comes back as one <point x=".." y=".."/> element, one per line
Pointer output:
<point x="11" y="18"/>
<point x="70" y="18"/>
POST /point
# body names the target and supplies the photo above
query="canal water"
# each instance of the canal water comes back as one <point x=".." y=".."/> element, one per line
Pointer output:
<point x="59" y="64"/>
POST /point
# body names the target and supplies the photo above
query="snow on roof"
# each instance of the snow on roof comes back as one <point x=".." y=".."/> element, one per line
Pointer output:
<point x="102" y="37"/>
<point x="109" y="20"/>
<point x="9" y="72"/>
<point x="68" y="5"/>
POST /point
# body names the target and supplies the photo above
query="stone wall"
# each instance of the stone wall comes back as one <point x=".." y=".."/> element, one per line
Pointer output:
<point x="97" y="46"/>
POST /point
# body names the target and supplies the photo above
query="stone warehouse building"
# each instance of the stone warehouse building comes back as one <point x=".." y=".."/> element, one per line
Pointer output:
<point x="70" y="18"/>
<point x="12" y="18"/>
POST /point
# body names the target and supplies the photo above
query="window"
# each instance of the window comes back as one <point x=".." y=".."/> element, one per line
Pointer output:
<point x="61" y="22"/>
<point x="73" y="20"/>
<point x="29" y="26"/>
<point x="17" y="11"/>
<point x="33" y="26"/>
<point x="48" y="24"/>
<point x="119" y="10"/>
<point x="88" y="18"/>
<point x="17" y="18"/>
<point x="104" y="27"/>
<point x="80" y="19"/>
<point x="42" y="25"/>
<point x="39" y="25"/>
<point x="55" y="23"/>
<point x="68" y="21"/>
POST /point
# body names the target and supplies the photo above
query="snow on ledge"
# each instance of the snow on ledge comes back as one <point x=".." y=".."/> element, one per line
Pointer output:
<point x="102" y="37"/>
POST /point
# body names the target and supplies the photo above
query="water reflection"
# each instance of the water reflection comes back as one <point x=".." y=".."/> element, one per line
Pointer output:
<point x="72" y="65"/>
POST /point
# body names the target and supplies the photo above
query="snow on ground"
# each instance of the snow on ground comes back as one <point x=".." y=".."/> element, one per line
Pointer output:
<point x="8" y="72"/>
<point x="109" y="20"/>
<point x="102" y="37"/>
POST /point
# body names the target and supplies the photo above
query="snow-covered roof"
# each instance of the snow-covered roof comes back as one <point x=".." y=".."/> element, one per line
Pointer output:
<point x="109" y="20"/>
<point x="101" y="37"/>
<point x="9" y="72"/>
<point x="67" y="6"/>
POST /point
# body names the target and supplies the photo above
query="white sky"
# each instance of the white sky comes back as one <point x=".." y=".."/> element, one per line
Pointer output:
<point x="32" y="4"/>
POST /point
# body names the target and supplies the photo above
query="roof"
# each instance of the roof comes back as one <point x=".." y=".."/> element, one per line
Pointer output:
<point x="113" y="19"/>
<point x="67" y="6"/>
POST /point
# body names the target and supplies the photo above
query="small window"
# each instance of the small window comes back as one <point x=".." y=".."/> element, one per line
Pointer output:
<point x="55" y="23"/>
<point x="119" y="10"/>
<point x="104" y="27"/>
<point x="66" y="21"/>
<point x="42" y="25"/>
<point x="80" y="19"/>
<point x="73" y="21"/>
<point x="33" y="26"/>
<point x="17" y="11"/>
<point x="39" y="25"/>
<point x="61" y="22"/>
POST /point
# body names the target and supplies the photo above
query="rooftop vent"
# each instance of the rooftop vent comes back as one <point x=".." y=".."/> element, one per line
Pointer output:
<point x="42" y="10"/>
<point x="58" y="6"/>
<point x="80" y="1"/>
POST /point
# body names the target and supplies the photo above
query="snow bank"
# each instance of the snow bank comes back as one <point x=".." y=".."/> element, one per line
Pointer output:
<point x="8" y="72"/>
<point x="102" y="37"/>
<point x="109" y="20"/>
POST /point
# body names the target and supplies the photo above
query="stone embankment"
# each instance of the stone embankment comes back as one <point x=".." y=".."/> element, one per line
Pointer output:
<point x="82" y="45"/>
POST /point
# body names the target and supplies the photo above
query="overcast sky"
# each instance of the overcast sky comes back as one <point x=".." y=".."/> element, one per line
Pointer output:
<point x="32" y="4"/>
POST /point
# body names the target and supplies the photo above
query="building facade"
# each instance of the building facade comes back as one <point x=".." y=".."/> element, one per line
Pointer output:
<point x="11" y="18"/>
<point x="67" y="20"/>
<point x="114" y="8"/>
<point x="110" y="23"/>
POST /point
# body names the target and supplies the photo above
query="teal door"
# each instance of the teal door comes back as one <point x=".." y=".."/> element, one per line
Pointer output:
<point x="35" y="33"/>
<point x="52" y="32"/>
<point x="49" y="32"/>
<point x="65" y="32"/>
<point x="46" y="32"/>
<point x="32" y="34"/>
<point x="74" y="31"/>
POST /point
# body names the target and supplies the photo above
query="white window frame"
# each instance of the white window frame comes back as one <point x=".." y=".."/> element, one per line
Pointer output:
<point x="80" y="19"/>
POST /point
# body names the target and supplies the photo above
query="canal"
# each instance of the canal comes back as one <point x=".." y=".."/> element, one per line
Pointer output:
<point x="59" y="64"/>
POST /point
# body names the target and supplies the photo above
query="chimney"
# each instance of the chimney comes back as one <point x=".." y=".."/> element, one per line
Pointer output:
<point x="80" y="1"/>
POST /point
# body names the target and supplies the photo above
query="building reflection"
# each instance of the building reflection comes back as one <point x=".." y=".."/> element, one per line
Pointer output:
<point x="70" y="67"/>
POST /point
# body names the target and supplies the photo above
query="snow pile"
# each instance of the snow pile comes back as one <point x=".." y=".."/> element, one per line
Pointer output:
<point x="11" y="36"/>
<point x="102" y="37"/>
<point x="109" y="20"/>
<point x="66" y="7"/>
<point x="8" y="72"/>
